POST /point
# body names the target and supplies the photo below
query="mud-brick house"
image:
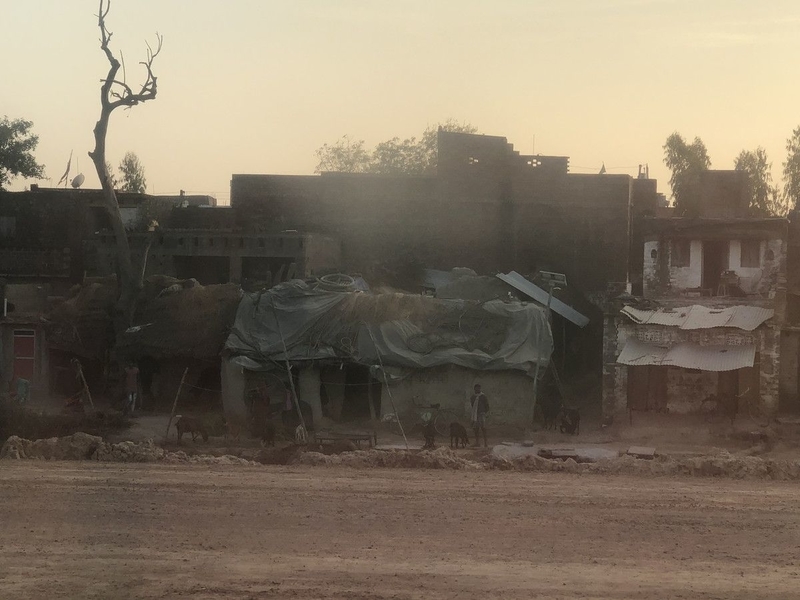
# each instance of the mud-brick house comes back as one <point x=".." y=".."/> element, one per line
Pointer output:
<point x="181" y="327"/>
<point x="707" y="331"/>
<point x="356" y="355"/>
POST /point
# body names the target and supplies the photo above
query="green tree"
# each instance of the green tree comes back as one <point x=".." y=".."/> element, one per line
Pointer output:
<point x="764" y="197"/>
<point x="791" y="171"/>
<point x="343" y="156"/>
<point x="687" y="162"/>
<point x="131" y="174"/>
<point x="410" y="156"/>
<point x="395" y="157"/>
<point x="17" y="144"/>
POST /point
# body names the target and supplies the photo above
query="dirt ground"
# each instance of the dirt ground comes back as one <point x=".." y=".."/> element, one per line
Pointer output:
<point x="93" y="530"/>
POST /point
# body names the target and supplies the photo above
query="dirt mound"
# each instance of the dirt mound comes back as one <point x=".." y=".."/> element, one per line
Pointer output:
<point x="79" y="446"/>
<point x="720" y="465"/>
<point x="82" y="446"/>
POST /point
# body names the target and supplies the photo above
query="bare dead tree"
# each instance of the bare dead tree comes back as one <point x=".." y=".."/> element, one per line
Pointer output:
<point x="115" y="92"/>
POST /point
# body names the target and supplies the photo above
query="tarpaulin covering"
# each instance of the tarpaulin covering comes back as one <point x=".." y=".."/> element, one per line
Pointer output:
<point x="407" y="330"/>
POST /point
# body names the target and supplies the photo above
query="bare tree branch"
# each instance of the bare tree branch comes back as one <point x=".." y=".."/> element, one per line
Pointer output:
<point x="113" y="94"/>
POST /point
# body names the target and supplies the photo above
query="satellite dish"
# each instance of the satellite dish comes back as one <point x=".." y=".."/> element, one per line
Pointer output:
<point x="78" y="181"/>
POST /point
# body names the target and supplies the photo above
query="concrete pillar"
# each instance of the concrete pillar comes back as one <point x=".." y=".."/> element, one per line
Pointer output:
<point x="233" y="386"/>
<point x="334" y="379"/>
<point x="308" y="390"/>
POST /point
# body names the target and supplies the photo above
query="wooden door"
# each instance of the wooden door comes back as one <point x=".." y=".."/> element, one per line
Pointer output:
<point x="638" y="387"/>
<point x="24" y="354"/>
<point x="657" y="389"/>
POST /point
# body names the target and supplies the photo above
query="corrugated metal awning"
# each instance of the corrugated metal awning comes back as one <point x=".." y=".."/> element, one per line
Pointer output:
<point x="688" y="356"/>
<point x="541" y="296"/>
<point x="697" y="316"/>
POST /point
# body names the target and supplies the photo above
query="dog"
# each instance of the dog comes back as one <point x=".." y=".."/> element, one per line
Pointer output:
<point x="458" y="435"/>
<point x="268" y="434"/>
<point x="192" y="426"/>
<point x="233" y="429"/>
<point x="300" y="435"/>
<point x="429" y="432"/>
<point x="569" y="420"/>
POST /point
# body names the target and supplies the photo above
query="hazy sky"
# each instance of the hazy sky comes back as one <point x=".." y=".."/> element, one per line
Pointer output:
<point x="256" y="86"/>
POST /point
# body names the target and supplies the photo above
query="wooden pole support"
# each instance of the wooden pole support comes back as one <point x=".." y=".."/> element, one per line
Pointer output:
<point x="175" y="404"/>
<point x="85" y="385"/>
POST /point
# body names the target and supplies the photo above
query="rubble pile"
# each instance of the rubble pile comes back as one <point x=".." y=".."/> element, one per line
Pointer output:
<point x="82" y="446"/>
<point x="441" y="458"/>
<point x="719" y="465"/>
<point x="129" y="452"/>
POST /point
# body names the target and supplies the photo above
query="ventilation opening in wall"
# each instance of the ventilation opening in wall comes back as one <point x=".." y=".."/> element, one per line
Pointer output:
<point x="654" y="254"/>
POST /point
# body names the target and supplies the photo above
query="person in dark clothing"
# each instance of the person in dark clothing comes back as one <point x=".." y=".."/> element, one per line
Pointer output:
<point x="131" y="387"/>
<point x="480" y="406"/>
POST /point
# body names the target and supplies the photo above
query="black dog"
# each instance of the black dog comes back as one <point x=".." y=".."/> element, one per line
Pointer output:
<point x="551" y="410"/>
<point x="429" y="431"/>
<point x="570" y="421"/>
<point x="458" y="435"/>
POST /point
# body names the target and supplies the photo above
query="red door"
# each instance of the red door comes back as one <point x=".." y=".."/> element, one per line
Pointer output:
<point x="24" y="353"/>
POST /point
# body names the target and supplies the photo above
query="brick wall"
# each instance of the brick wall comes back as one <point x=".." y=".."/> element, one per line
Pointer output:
<point x="498" y="214"/>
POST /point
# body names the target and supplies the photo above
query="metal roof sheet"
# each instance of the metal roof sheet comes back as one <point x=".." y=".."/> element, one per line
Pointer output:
<point x="688" y="356"/>
<point x="532" y="290"/>
<point x="697" y="316"/>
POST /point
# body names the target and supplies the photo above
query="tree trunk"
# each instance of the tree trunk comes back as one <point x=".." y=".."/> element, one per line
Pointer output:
<point x="128" y="283"/>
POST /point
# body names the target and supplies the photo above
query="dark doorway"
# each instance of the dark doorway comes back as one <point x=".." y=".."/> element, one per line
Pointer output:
<point x="359" y="389"/>
<point x="715" y="261"/>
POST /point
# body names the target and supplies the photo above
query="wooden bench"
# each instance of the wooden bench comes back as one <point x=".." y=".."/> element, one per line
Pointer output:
<point x="356" y="438"/>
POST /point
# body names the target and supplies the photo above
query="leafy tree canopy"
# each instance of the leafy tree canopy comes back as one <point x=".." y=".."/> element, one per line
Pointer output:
<point x="765" y="198"/>
<point x="17" y="144"/>
<point x="131" y="174"/>
<point x="687" y="162"/>
<point x="410" y="156"/>
<point x="791" y="171"/>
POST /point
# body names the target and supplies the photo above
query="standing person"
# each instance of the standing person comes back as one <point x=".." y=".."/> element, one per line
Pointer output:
<point x="480" y="406"/>
<point x="131" y="386"/>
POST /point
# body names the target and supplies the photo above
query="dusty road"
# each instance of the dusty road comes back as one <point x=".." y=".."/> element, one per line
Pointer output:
<point x="72" y="530"/>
